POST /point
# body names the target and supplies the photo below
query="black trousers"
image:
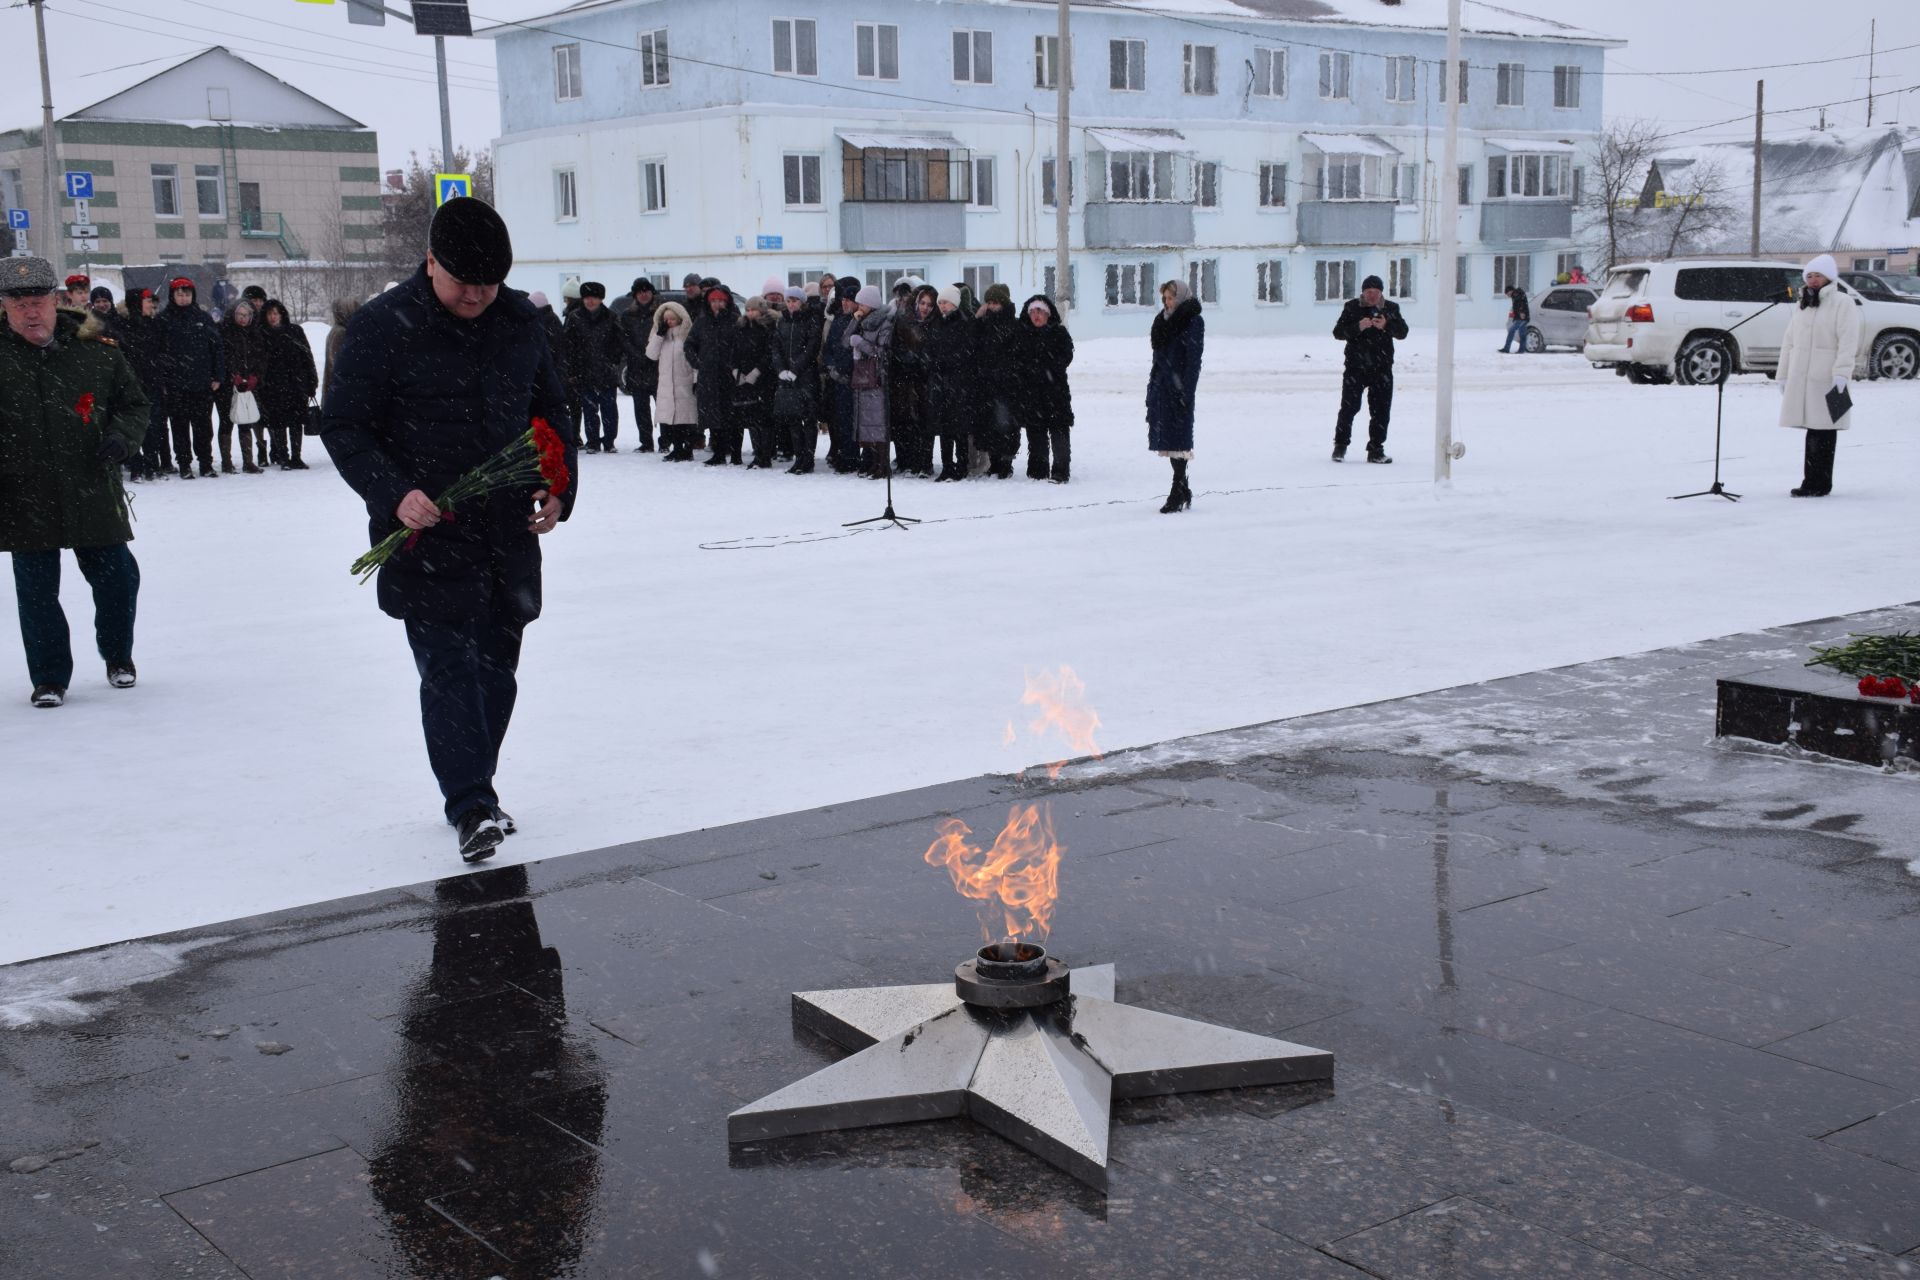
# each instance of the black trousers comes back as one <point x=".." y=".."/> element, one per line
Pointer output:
<point x="643" y="418"/>
<point x="467" y="690"/>
<point x="1819" y="467"/>
<point x="1049" y="453"/>
<point x="115" y="578"/>
<point x="155" y="453"/>
<point x="190" y="418"/>
<point x="802" y="436"/>
<point x="842" y="449"/>
<point x="1378" y="388"/>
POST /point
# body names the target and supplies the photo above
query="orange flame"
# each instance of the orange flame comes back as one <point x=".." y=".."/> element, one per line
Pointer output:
<point x="1061" y="697"/>
<point x="1019" y="877"/>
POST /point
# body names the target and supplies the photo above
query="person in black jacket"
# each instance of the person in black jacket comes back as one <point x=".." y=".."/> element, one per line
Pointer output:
<point x="246" y="346"/>
<point x="437" y="375"/>
<point x="192" y="367"/>
<point x="796" y="396"/>
<point x="1369" y="325"/>
<point x="596" y="348"/>
<point x="836" y="362"/>
<point x="908" y="377"/>
<point x="1519" y="316"/>
<point x="710" y="349"/>
<point x="995" y="338"/>
<point x="755" y="369"/>
<point x="290" y="382"/>
<point x="142" y="348"/>
<point x="642" y="375"/>
<point x="1042" y="353"/>
<point x="953" y="382"/>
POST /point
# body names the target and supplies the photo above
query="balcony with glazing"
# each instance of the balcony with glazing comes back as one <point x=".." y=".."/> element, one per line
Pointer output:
<point x="904" y="198"/>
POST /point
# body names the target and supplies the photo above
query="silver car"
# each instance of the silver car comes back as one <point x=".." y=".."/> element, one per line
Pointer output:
<point x="1560" y="317"/>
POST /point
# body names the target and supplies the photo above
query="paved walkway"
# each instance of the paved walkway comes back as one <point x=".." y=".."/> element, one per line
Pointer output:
<point x="1608" y="1000"/>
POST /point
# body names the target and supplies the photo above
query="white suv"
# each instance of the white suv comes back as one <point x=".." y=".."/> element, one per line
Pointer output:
<point x="1675" y="321"/>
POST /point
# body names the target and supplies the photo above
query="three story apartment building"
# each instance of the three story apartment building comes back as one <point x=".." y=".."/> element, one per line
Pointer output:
<point x="1271" y="152"/>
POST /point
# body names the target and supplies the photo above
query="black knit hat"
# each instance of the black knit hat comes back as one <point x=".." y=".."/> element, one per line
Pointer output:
<point x="254" y="293"/>
<point x="692" y="280"/>
<point x="640" y="285"/>
<point x="100" y="291"/>
<point x="1372" y="282"/>
<point x="593" y="289"/>
<point x="846" y="287"/>
<point x="470" y="241"/>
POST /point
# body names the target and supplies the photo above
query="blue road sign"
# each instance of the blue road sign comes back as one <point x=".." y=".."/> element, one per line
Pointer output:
<point x="769" y="242"/>
<point x="18" y="220"/>
<point x="79" y="185"/>
<point x="451" y="186"/>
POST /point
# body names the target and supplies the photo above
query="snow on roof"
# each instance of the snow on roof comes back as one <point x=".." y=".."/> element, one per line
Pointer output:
<point x="1533" y="146"/>
<point x="901" y="141"/>
<point x="1820" y="189"/>
<point x="1168" y="140"/>
<point x="1349" y="144"/>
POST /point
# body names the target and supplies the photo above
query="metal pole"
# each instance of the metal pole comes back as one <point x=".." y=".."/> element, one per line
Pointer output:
<point x="1759" y="119"/>
<point x="1062" y="171"/>
<point x="1873" y="44"/>
<point x="1449" y="250"/>
<point x="49" y="143"/>
<point x="446" y="112"/>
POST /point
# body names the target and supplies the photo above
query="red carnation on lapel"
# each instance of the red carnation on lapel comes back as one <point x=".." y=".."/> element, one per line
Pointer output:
<point x="84" y="407"/>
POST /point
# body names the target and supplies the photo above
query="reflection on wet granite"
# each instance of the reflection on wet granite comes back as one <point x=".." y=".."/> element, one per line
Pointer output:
<point x="1582" y="1037"/>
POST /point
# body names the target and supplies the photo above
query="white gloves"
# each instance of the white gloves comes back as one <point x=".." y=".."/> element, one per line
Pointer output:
<point x="1839" y="384"/>
<point x="786" y="375"/>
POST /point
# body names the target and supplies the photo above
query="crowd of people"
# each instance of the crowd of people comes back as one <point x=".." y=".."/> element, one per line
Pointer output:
<point x="250" y="368"/>
<point x="929" y="382"/>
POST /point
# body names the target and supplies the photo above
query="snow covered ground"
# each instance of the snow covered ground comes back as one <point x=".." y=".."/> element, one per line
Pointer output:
<point x="717" y="648"/>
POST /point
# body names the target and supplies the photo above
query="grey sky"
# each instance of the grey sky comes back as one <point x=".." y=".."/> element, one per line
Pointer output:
<point x="384" y="76"/>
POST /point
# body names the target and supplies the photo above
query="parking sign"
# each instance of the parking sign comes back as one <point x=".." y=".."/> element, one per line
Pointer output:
<point x="18" y="220"/>
<point x="79" y="185"/>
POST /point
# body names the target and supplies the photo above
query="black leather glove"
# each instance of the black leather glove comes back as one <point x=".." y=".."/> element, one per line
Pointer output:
<point x="113" y="449"/>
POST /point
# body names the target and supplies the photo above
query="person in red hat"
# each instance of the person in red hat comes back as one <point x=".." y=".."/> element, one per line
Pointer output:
<point x="78" y="287"/>
<point x="190" y="362"/>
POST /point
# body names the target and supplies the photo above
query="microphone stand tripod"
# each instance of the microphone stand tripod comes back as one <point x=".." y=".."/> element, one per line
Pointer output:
<point x="886" y="517"/>
<point x="1717" y="490"/>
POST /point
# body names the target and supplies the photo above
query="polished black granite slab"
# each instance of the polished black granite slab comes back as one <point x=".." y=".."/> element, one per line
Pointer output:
<point x="1814" y="709"/>
<point x="1582" y="1033"/>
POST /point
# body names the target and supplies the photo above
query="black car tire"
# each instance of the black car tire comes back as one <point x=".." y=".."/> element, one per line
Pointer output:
<point x="1534" y="341"/>
<point x="1895" y="355"/>
<point x="1703" y="362"/>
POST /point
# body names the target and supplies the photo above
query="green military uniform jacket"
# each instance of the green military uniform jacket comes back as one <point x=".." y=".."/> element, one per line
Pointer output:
<point x="57" y="404"/>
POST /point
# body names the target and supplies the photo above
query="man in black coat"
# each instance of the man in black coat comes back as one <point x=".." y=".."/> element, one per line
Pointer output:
<point x="596" y="349"/>
<point x="191" y="362"/>
<point x="1519" y="316"/>
<point x="642" y="375"/>
<point x="436" y="376"/>
<point x="1369" y="325"/>
<point x="796" y="409"/>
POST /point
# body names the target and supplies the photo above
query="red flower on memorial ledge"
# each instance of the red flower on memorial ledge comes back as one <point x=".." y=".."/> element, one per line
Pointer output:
<point x="1887" y="687"/>
<point x="84" y="407"/>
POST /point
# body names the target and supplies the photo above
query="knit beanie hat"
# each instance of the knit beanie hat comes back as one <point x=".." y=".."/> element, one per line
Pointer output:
<point x="794" y="293"/>
<point x="812" y="290"/>
<point x="774" y="285"/>
<point x="1372" y="282"/>
<point x="1825" y="265"/>
<point x="950" y="295"/>
<point x="868" y="297"/>
<point x="999" y="293"/>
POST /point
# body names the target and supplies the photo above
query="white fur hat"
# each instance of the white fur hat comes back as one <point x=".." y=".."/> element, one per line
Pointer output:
<point x="1825" y="265"/>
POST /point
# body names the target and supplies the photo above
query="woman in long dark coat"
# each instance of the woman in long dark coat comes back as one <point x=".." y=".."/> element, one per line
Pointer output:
<point x="288" y="384"/>
<point x="796" y="397"/>
<point x="710" y="349"/>
<point x="755" y="364"/>
<point x="907" y="382"/>
<point x="953" y="382"/>
<point x="1179" y="337"/>
<point x="246" y="349"/>
<point x="1045" y="401"/>
<point x="996" y="337"/>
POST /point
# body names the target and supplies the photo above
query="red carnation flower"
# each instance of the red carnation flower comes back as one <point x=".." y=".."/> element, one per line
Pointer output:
<point x="84" y="407"/>
<point x="553" y="457"/>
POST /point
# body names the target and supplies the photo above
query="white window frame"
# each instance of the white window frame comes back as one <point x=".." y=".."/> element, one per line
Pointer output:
<point x="1566" y="88"/>
<point x="985" y="166"/>
<point x="1504" y="270"/>
<point x="1273" y="184"/>
<point x="975" y="41"/>
<point x="1131" y="64"/>
<point x="793" y="164"/>
<point x="1406" y="183"/>
<point x="1206" y="183"/>
<point x="791" y="47"/>
<point x="1510" y="85"/>
<point x="1336" y="75"/>
<point x="1046" y="63"/>
<point x="1529" y="175"/>
<point x="568" y="84"/>
<point x="1049" y="279"/>
<point x="170" y="175"/>
<point x="1148" y="176"/>
<point x="1200" y="70"/>
<point x="1270" y="282"/>
<point x="654" y="70"/>
<point x="1132" y="286"/>
<point x="1203" y="278"/>
<point x="1049" y="168"/>
<point x="875" y="33"/>
<point x="1463" y="276"/>
<point x="1400" y="276"/>
<point x="1402" y="74"/>
<point x="219" y="179"/>
<point x="1335" y="280"/>
<point x="653" y="185"/>
<point x="885" y="277"/>
<point x="978" y="276"/>
<point x="1269" y="69"/>
<point x="566" y="194"/>
<point x="1344" y="177"/>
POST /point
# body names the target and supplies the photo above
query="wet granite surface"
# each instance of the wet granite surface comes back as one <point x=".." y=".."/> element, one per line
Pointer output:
<point x="1581" y="1029"/>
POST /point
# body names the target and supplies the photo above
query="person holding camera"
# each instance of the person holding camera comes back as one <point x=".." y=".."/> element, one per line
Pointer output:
<point x="1369" y="325"/>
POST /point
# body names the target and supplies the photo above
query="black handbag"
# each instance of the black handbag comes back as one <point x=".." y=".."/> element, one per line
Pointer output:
<point x="313" y="418"/>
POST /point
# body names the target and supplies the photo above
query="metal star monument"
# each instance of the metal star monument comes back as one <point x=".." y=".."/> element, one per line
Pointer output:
<point x="1033" y="1052"/>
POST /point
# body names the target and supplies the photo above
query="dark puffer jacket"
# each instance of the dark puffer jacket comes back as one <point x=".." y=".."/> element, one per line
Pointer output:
<point x="953" y="374"/>
<point x="636" y="326"/>
<point x="796" y="345"/>
<point x="1369" y="351"/>
<point x="419" y="397"/>
<point x="189" y="354"/>
<point x="290" y="378"/>
<point x="711" y="349"/>
<point x="595" y="348"/>
<point x="1041" y="355"/>
<point x="246" y="351"/>
<point x="57" y="405"/>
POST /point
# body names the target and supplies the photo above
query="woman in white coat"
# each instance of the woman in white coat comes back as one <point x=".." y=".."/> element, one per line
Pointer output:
<point x="1823" y="341"/>
<point x="674" y="407"/>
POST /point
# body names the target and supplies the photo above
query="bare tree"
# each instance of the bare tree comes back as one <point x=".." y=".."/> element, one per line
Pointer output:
<point x="1695" y="208"/>
<point x="409" y="211"/>
<point x="1611" y="203"/>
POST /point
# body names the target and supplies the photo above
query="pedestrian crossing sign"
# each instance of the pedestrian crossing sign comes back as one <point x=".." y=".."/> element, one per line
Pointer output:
<point x="451" y="186"/>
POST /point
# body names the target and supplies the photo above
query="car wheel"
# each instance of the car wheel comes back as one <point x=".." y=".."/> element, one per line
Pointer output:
<point x="1535" y="341"/>
<point x="1702" y="362"/>
<point x="1896" y="355"/>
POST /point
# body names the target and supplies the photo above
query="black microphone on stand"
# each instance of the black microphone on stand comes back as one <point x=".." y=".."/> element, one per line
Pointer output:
<point x="1717" y="490"/>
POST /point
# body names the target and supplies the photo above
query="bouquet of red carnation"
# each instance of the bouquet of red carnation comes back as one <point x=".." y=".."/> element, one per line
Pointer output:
<point x="537" y="457"/>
